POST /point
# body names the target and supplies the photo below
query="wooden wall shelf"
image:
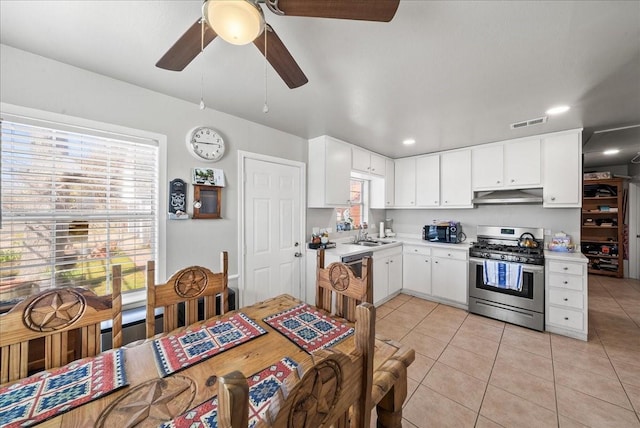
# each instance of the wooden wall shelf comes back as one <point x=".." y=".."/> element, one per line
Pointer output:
<point x="596" y="237"/>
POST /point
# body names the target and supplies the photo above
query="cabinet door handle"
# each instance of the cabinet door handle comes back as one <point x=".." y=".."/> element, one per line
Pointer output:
<point x="553" y="198"/>
<point x="436" y="262"/>
<point x="565" y="299"/>
<point x="565" y="282"/>
<point x="566" y="318"/>
<point x="498" y="182"/>
<point x="390" y="261"/>
<point x="565" y="268"/>
<point x="513" y="180"/>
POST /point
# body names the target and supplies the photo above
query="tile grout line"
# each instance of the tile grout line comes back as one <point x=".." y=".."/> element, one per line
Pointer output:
<point x="495" y="359"/>
<point x="595" y="329"/>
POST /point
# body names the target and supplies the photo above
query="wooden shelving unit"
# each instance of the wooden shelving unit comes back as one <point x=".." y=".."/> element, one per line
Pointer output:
<point x="602" y="226"/>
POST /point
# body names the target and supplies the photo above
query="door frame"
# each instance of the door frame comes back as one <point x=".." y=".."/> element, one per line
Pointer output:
<point x="302" y="169"/>
<point x="634" y="230"/>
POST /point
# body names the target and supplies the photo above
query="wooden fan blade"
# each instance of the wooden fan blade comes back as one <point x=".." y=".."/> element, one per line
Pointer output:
<point x="280" y="59"/>
<point x="364" y="10"/>
<point x="186" y="48"/>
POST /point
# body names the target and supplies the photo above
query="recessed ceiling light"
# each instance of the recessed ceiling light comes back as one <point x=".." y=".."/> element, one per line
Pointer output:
<point x="558" y="110"/>
<point x="611" y="152"/>
<point x="409" y="141"/>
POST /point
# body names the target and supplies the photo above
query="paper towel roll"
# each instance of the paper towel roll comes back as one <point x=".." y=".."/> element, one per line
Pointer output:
<point x="381" y="229"/>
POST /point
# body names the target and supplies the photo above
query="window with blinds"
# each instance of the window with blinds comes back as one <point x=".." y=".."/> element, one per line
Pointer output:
<point x="74" y="203"/>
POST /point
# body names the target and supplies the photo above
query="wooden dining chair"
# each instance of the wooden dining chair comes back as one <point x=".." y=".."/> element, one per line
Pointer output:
<point x="66" y="320"/>
<point x="339" y="290"/>
<point x="183" y="292"/>
<point x="334" y="389"/>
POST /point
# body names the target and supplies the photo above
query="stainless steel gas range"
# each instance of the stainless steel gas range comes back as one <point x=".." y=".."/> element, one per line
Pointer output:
<point x="506" y="275"/>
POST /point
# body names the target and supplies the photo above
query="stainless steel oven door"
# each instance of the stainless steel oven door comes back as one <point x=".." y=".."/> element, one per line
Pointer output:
<point x="531" y="297"/>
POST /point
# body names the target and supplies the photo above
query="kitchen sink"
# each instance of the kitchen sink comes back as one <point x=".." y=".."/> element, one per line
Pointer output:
<point x="369" y="243"/>
<point x="373" y="243"/>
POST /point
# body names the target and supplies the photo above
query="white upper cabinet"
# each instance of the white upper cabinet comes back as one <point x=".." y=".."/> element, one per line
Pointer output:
<point x="455" y="179"/>
<point x="367" y="162"/>
<point x="522" y="163"/>
<point x="486" y="166"/>
<point x="434" y="181"/>
<point x="428" y="181"/>
<point x="508" y="165"/>
<point x="405" y="182"/>
<point x="329" y="172"/>
<point x="562" y="170"/>
<point x="389" y="183"/>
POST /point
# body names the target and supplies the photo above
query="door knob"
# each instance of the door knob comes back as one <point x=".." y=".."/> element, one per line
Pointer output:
<point x="297" y="255"/>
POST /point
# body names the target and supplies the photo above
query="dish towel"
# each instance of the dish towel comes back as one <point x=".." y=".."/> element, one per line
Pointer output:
<point x="503" y="275"/>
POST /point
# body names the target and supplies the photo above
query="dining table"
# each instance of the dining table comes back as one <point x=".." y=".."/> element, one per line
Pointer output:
<point x="153" y="395"/>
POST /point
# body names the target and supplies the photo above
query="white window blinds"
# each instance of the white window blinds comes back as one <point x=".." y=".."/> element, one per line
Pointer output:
<point x="74" y="203"/>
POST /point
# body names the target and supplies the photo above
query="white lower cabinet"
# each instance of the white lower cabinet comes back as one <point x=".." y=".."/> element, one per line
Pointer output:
<point x="449" y="275"/>
<point x="416" y="269"/>
<point x="566" y="295"/>
<point x="387" y="273"/>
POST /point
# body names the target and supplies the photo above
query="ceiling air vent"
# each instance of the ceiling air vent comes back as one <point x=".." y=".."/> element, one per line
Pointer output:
<point x="529" y="122"/>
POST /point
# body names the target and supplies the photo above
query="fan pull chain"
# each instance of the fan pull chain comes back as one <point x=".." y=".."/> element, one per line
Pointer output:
<point x="265" y="108"/>
<point x="202" y="105"/>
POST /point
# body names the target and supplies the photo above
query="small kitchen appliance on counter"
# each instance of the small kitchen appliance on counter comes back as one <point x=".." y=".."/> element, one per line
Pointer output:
<point x="506" y="275"/>
<point x="449" y="232"/>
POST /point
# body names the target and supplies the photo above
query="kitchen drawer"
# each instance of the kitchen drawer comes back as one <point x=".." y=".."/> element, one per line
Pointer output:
<point x="566" y="318"/>
<point x="416" y="249"/>
<point x="449" y="254"/>
<point x="570" y="282"/>
<point x="573" y="299"/>
<point x="562" y="267"/>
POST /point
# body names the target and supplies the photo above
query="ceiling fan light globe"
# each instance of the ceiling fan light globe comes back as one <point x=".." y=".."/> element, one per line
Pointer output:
<point x="238" y="22"/>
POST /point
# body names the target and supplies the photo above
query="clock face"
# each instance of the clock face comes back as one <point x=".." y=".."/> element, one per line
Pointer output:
<point x="205" y="143"/>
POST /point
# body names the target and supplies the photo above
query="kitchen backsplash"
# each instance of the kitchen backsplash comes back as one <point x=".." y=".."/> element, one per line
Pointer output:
<point x="554" y="220"/>
<point x="325" y="218"/>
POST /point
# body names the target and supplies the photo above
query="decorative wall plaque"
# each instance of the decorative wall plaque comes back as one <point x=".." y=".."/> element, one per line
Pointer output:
<point x="177" y="199"/>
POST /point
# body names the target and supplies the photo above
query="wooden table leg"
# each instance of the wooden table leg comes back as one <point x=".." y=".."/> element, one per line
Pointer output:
<point x="390" y="407"/>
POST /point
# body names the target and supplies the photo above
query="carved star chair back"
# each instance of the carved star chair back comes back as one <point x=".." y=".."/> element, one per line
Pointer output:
<point x="181" y="294"/>
<point x="66" y="320"/>
<point x="339" y="290"/>
<point x="329" y="389"/>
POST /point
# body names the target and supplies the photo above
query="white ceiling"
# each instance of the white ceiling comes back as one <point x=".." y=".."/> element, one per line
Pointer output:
<point x="447" y="73"/>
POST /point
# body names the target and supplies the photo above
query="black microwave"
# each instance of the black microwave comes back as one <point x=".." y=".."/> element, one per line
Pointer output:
<point x="449" y="232"/>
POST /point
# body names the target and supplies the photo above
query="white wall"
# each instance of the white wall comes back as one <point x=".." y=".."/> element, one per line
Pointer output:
<point x="32" y="81"/>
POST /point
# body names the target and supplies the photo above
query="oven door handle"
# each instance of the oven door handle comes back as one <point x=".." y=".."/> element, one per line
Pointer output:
<point x="525" y="267"/>
<point x="355" y="262"/>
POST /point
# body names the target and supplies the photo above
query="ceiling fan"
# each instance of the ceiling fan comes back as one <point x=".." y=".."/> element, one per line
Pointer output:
<point x="242" y="22"/>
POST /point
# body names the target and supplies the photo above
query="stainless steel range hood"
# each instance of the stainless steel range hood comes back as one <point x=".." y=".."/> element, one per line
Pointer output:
<point x="531" y="196"/>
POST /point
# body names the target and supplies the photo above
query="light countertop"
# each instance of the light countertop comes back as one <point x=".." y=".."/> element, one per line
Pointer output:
<point x="562" y="256"/>
<point x="347" y="248"/>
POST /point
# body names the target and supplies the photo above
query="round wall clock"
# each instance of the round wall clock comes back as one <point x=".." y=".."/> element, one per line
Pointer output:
<point x="205" y="143"/>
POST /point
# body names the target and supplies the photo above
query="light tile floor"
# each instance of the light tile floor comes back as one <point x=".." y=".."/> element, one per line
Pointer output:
<point x="474" y="371"/>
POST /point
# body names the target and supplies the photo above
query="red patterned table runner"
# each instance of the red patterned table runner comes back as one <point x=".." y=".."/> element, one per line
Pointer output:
<point x="262" y="386"/>
<point x="51" y="393"/>
<point x="179" y="351"/>
<point x="309" y="328"/>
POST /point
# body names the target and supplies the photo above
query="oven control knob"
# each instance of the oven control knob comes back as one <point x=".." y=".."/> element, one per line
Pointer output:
<point x="503" y="256"/>
<point x="486" y="255"/>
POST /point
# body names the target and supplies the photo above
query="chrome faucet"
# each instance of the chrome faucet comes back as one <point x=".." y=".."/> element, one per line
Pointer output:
<point x="360" y="236"/>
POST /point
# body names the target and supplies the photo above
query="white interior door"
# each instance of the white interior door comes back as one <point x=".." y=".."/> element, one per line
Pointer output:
<point x="272" y="229"/>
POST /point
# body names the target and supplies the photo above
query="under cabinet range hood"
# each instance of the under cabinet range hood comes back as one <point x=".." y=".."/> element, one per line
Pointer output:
<point x="532" y="196"/>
